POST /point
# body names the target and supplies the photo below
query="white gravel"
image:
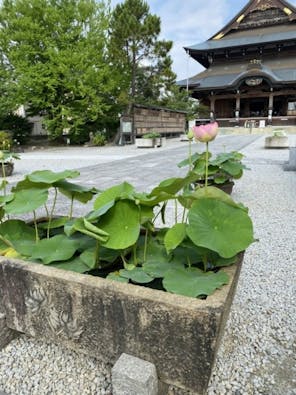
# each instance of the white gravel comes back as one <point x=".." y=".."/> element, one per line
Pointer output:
<point x="257" y="354"/>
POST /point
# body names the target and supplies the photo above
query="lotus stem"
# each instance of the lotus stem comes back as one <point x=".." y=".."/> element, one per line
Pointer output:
<point x="190" y="154"/>
<point x="205" y="263"/>
<point x="4" y="178"/>
<point x="36" y="227"/>
<point x="52" y="211"/>
<point x="207" y="164"/>
<point x="7" y="242"/>
<point x="184" y="215"/>
<point x="176" y="210"/>
<point x="145" y="245"/>
<point x="97" y="251"/>
<point x="71" y="208"/>
<point x="135" y="254"/>
<point x="125" y="264"/>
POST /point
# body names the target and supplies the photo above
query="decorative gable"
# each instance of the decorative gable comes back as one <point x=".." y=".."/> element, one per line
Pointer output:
<point x="259" y="13"/>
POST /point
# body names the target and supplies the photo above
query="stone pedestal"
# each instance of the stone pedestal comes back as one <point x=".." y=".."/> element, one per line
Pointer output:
<point x="291" y="165"/>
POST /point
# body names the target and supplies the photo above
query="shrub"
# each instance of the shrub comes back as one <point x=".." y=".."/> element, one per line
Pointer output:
<point x="5" y="140"/>
<point x="151" y="135"/>
<point x="19" y="127"/>
<point x="99" y="139"/>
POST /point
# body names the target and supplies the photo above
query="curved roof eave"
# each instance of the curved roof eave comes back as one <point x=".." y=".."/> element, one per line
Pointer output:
<point x="211" y="45"/>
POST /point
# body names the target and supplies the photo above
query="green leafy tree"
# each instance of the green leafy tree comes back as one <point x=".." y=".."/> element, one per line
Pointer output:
<point x="54" y="52"/>
<point x="141" y="61"/>
<point x="179" y="99"/>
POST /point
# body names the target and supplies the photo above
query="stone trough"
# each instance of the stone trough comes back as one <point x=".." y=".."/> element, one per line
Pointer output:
<point x="103" y="319"/>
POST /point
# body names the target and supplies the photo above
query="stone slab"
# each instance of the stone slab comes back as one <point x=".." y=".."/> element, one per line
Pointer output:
<point x="104" y="319"/>
<point x="134" y="376"/>
<point x="277" y="142"/>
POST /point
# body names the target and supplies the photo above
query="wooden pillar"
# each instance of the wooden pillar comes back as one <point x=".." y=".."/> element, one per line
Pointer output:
<point x="270" y="108"/>
<point x="212" y="108"/>
<point x="237" y="107"/>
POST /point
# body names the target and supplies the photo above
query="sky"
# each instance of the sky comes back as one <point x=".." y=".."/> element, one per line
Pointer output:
<point x="188" y="22"/>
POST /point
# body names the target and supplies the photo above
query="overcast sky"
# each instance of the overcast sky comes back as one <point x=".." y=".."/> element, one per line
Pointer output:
<point x="188" y="22"/>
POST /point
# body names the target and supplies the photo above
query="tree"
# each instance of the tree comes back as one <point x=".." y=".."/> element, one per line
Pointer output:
<point x="141" y="61"/>
<point x="54" y="52"/>
<point x="179" y="99"/>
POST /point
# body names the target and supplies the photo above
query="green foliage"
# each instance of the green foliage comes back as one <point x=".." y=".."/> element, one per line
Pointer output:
<point x="151" y="135"/>
<point x="19" y="128"/>
<point x="99" y="139"/>
<point x="5" y="140"/>
<point x="59" y="60"/>
<point x="118" y="239"/>
<point x="223" y="168"/>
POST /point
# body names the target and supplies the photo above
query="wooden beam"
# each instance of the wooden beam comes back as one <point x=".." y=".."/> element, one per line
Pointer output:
<point x="256" y="94"/>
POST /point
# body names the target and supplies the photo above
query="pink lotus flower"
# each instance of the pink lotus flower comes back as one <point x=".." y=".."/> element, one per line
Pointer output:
<point x="206" y="133"/>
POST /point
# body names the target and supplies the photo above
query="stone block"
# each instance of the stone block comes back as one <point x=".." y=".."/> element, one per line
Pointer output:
<point x="103" y="319"/>
<point x="291" y="165"/>
<point x="134" y="376"/>
<point x="277" y="142"/>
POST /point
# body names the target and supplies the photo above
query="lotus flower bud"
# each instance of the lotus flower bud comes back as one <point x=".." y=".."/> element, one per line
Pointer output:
<point x="1" y="155"/>
<point x="190" y="134"/>
<point x="206" y="133"/>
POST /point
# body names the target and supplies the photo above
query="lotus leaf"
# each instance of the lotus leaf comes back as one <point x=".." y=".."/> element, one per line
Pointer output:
<point x="74" y="265"/>
<point x="137" y="275"/>
<point x="115" y="276"/>
<point x="215" y="225"/>
<point x="122" y="222"/>
<point x="193" y="282"/>
<point x="49" y="177"/>
<point x="15" y="231"/>
<point x="174" y="237"/>
<point x="121" y="191"/>
<point x="57" y="248"/>
<point x="26" y="200"/>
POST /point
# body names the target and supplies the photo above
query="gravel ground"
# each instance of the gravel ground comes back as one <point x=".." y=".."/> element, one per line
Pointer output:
<point x="257" y="354"/>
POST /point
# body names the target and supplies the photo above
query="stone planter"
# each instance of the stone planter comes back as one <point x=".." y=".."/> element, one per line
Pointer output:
<point x="104" y="319"/>
<point x="277" y="142"/>
<point x="8" y="168"/>
<point x="145" y="143"/>
<point x="158" y="142"/>
<point x="227" y="187"/>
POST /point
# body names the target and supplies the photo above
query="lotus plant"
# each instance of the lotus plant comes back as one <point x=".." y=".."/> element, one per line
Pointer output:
<point x="205" y="134"/>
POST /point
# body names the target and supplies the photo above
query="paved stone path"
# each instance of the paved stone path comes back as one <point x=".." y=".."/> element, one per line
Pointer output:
<point x="149" y="169"/>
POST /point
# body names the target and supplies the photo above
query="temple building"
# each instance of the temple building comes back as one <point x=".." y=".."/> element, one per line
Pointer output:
<point x="250" y="67"/>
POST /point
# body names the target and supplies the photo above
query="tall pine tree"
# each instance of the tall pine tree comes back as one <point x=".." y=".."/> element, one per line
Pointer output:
<point x="140" y="59"/>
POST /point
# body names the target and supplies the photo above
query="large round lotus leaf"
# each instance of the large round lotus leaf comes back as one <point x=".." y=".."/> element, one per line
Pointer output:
<point x="193" y="282"/>
<point x="57" y="248"/>
<point x="26" y="201"/>
<point x="220" y="227"/>
<point x="50" y="177"/>
<point x="122" y="222"/>
<point x="15" y="231"/>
